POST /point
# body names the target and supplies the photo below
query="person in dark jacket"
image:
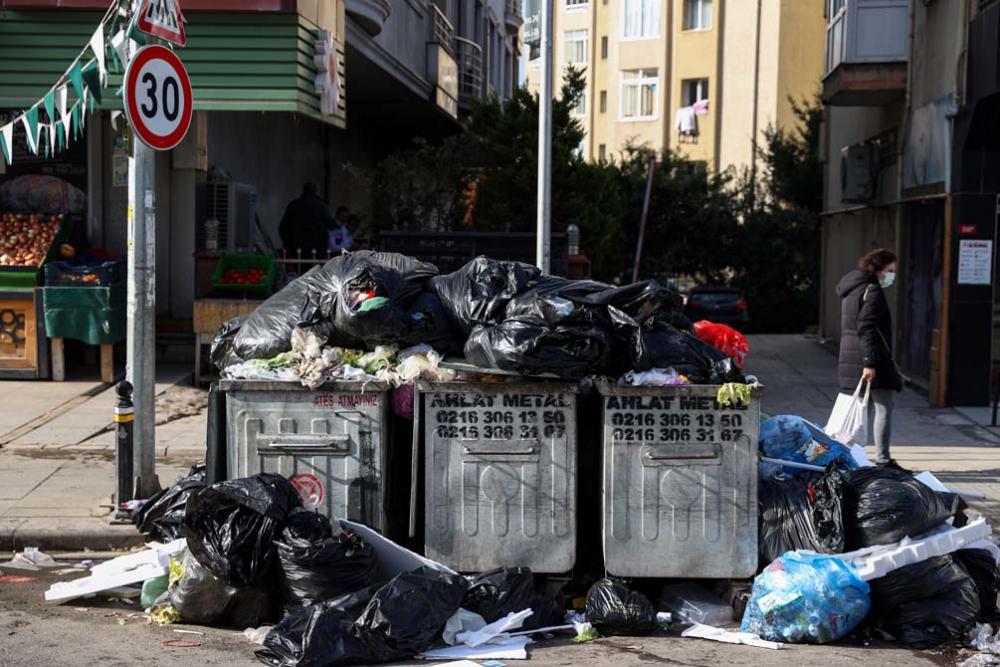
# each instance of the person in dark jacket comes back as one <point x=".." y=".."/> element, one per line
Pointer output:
<point x="865" y="344"/>
<point x="307" y="224"/>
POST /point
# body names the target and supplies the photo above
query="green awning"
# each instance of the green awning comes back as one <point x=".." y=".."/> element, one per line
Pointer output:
<point x="237" y="62"/>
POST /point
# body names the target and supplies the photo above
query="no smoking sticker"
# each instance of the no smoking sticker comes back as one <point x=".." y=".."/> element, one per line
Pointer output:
<point x="310" y="489"/>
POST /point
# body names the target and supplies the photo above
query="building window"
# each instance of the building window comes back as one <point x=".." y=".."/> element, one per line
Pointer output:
<point x="698" y="15"/>
<point x="640" y="19"/>
<point x="581" y="150"/>
<point x="577" y="4"/>
<point x="602" y="152"/>
<point x="835" y="7"/>
<point x="604" y="47"/>
<point x="639" y="94"/>
<point x="581" y="107"/>
<point x="575" y="42"/>
<point x="604" y="101"/>
<point x="693" y="91"/>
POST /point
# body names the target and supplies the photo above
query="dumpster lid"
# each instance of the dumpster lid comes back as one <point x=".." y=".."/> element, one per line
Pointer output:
<point x="610" y="389"/>
<point x="273" y="385"/>
<point x="460" y="364"/>
<point x="523" y="385"/>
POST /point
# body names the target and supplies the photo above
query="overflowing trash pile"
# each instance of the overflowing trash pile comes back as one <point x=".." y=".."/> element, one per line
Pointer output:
<point x="363" y="314"/>
<point x="846" y="545"/>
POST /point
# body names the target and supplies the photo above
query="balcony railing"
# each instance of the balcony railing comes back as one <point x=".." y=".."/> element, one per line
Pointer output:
<point x="470" y="71"/>
<point x="442" y="31"/>
<point x="513" y="17"/>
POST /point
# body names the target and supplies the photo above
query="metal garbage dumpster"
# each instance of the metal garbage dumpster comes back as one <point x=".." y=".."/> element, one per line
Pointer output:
<point x="330" y="442"/>
<point x="680" y="482"/>
<point x="500" y="474"/>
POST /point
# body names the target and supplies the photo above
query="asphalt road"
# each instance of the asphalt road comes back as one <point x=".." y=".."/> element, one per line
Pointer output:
<point x="102" y="633"/>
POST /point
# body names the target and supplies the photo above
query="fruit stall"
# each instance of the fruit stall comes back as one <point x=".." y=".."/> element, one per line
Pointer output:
<point x="27" y="241"/>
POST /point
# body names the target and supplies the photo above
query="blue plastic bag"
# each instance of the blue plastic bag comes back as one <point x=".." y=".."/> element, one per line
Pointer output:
<point x="806" y="598"/>
<point x="792" y="438"/>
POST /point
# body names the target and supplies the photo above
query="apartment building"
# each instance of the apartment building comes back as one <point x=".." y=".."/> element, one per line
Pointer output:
<point x="912" y="152"/>
<point x="704" y="77"/>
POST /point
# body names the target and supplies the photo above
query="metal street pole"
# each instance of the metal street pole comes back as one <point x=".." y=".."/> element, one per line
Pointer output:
<point x="543" y="242"/>
<point x="140" y="369"/>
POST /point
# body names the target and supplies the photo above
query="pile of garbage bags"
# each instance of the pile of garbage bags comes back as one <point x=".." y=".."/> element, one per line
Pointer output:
<point x="499" y="314"/>
<point x="255" y="556"/>
<point x="814" y="524"/>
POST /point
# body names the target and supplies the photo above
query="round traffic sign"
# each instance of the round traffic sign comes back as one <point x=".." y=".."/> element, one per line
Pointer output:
<point x="158" y="101"/>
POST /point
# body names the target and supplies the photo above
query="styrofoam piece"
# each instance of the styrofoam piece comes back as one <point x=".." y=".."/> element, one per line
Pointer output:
<point x="714" y="634"/>
<point x="129" y="569"/>
<point x="513" y="651"/>
<point x="392" y="558"/>
<point x="875" y="562"/>
<point x="494" y="631"/>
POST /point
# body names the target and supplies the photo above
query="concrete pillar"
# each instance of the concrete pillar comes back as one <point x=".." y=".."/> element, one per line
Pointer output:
<point x="188" y="175"/>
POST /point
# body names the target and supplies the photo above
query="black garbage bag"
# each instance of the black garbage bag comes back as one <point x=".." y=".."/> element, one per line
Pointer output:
<point x="496" y="593"/>
<point x="231" y="525"/>
<point x="478" y="293"/>
<point x="320" y="563"/>
<point x="223" y="353"/>
<point x="615" y="610"/>
<point x="402" y="618"/>
<point x="202" y="598"/>
<point x="982" y="568"/>
<point x="640" y="301"/>
<point x="366" y="298"/>
<point x="429" y="323"/>
<point x="552" y="301"/>
<point x="283" y="644"/>
<point x="803" y="512"/>
<point x="926" y="604"/>
<point x="882" y="506"/>
<point x="658" y="344"/>
<point x="161" y="519"/>
<point x="267" y="331"/>
<point x="568" y="352"/>
<point x="727" y="370"/>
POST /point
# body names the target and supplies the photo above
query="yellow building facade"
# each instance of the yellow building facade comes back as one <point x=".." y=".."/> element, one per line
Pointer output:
<point x="703" y="77"/>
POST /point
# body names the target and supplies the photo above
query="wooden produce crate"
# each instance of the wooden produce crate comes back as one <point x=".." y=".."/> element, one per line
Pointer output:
<point x="209" y="316"/>
<point x="23" y="352"/>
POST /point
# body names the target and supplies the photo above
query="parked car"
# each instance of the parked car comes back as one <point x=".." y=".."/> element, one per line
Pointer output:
<point x="725" y="305"/>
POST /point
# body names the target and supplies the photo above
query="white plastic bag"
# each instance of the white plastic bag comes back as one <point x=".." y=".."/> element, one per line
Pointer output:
<point x="849" y="420"/>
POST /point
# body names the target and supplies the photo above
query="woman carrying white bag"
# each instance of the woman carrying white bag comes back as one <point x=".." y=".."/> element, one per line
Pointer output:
<point x="869" y="377"/>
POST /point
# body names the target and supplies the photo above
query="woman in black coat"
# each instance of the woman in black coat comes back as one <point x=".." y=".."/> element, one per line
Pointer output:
<point x="865" y="344"/>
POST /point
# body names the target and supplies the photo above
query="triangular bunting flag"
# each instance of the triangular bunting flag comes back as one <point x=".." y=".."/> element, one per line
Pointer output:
<point x="59" y="136"/>
<point x="99" y="48"/>
<point x="49" y="101"/>
<point x="61" y="101"/>
<point x="30" y="121"/>
<point x="51" y="130"/>
<point x="43" y="142"/>
<point x="118" y="49"/>
<point x="67" y="122"/>
<point x="7" y="141"/>
<point x="92" y="77"/>
<point x="76" y="120"/>
<point x="76" y="78"/>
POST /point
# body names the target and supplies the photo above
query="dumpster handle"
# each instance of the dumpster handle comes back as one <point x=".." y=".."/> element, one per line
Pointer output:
<point x="512" y="452"/>
<point x="327" y="442"/>
<point x="682" y="457"/>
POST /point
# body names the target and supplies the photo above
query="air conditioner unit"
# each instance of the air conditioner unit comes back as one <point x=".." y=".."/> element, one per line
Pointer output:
<point x="234" y="205"/>
<point x="858" y="174"/>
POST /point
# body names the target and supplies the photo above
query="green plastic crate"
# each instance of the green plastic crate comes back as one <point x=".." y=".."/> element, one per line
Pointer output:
<point x="228" y="261"/>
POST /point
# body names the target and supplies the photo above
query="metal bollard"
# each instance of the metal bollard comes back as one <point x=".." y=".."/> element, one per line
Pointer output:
<point x="124" y="420"/>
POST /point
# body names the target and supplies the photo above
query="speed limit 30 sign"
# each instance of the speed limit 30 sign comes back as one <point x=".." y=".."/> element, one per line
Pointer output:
<point x="158" y="101"/>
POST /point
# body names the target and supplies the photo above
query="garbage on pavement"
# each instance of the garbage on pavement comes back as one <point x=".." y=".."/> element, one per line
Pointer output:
<point x="613" y="609"/>
<point x="806" y="598"/>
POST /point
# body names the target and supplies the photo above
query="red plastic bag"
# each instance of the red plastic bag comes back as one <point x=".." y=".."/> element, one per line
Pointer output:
<point x="725" y="338"/>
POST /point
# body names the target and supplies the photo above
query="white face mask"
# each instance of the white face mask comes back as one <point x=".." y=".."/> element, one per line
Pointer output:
<point x="890" y="278"/>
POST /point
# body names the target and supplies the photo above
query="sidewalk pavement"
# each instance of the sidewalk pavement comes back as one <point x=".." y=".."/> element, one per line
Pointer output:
<point x="57" y="468"/>
<point x="57" y="460"/>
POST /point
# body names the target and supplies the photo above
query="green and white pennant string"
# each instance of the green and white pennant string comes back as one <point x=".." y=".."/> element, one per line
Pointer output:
<point x="87" y="76"/>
